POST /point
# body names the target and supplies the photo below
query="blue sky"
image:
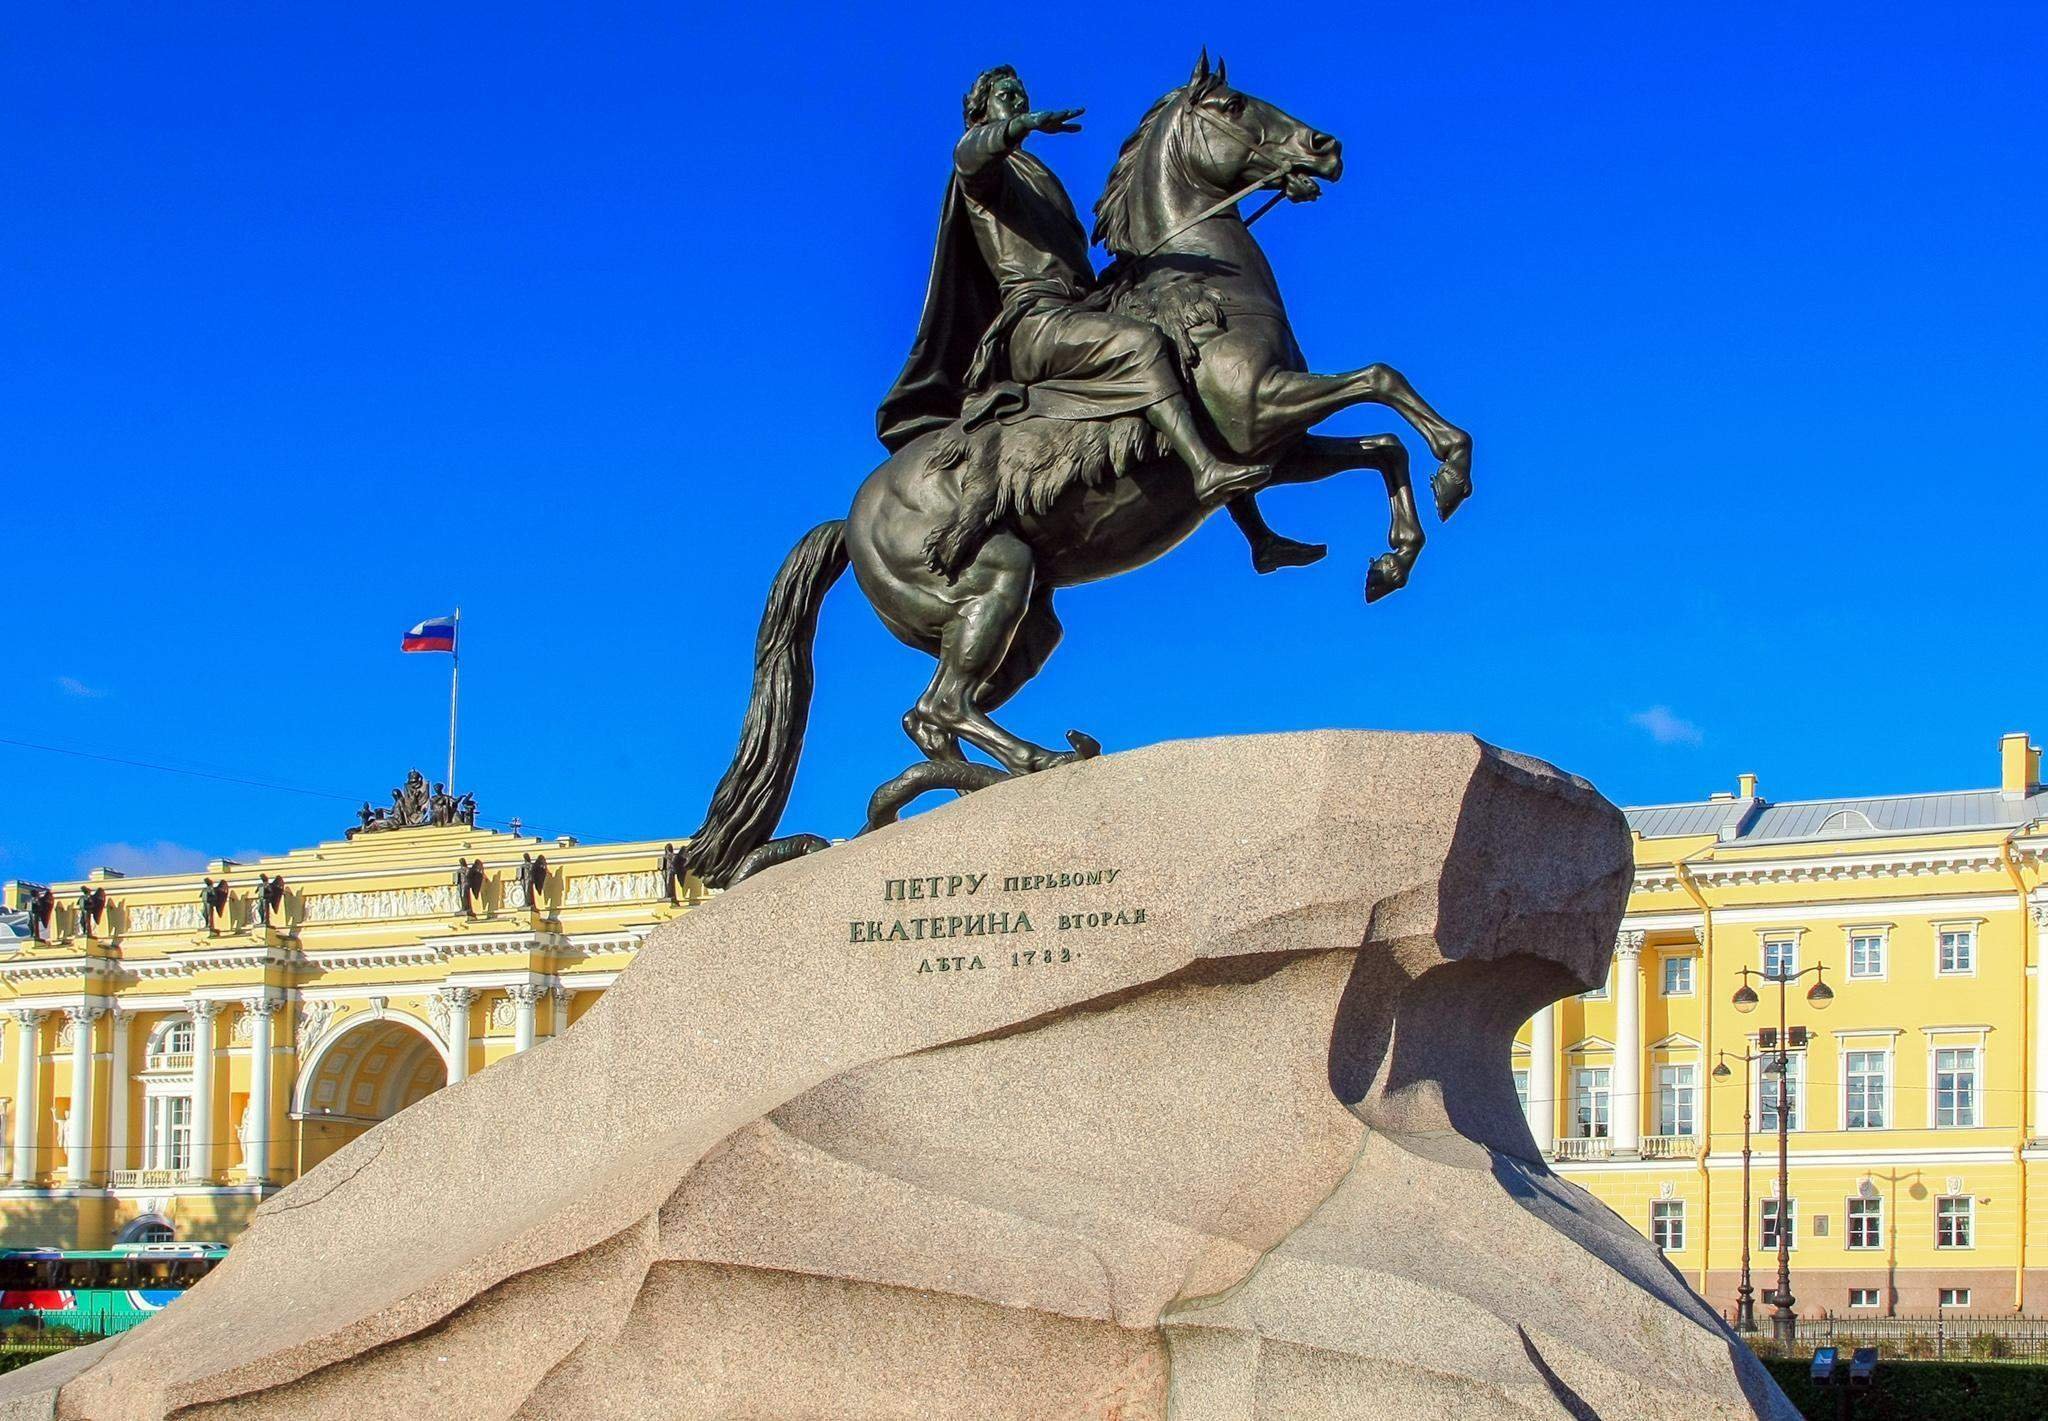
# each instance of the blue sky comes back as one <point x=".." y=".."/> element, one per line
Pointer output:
<point x="319" y="323"/>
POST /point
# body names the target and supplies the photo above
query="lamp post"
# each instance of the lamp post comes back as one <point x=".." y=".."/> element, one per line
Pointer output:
<point x="1745" y="1295"/>
<point x="1784" y="1322"/>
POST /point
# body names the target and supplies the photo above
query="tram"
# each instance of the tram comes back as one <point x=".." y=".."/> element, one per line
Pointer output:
<point x="98" y="1291"/>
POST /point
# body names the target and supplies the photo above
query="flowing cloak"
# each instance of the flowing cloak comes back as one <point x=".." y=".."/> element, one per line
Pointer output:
<point x="1075" y="360"/>
<point x="961" y="303"/>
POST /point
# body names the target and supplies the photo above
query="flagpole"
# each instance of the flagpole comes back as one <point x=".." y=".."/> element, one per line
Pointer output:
<point x="454" y="681"/>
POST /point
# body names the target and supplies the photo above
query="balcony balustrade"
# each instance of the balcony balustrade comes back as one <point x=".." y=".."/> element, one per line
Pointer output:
<point x="1593" y="1147"/>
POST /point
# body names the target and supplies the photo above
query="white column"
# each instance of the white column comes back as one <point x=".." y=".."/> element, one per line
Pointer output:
<point x="561" y="1022"/>
<point x="1543" y="1078"/>
<point x="458" y="999"/>
<point x="256" y="1154"/>
<point x="78" y="1141"/>
<point x="525" y="998"/>
<point x="1627" y="1105"/>
<point x="27" y="1035"/>
<point x="203" y="1013"/>
<point x="2041" y="1019"/>
<point x="117" y="1091"/>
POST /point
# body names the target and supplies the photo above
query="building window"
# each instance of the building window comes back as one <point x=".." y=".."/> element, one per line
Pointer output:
<point x="1678" y="976"/>
<point x="1863" y="1297"/>
<point x="167" y="1139"/>
<point x="1955" y="1297"/>
<point x="1867" y="1075"/>
<point x="1955" y="1088"/>
<point x="172" y="1038"/>
<point x="1958" y="951"/>
<point x="1866" y="1223"/>
<point x="1767" y="1094"/>
<point x="1590" y="1086"/>
<point x="1667" y="1225"/>
<point x="1781" y="957"/>
<point x="1522" y="1089"/>
<point x="1675" y="1097"/>
<point x="1955" y="1217"/>
<point x="1771" y="1209"/>
<point x="1866" y="955"/>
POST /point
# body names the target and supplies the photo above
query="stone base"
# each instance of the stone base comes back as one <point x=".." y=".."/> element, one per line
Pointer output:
<point x="1173" y="1084"/>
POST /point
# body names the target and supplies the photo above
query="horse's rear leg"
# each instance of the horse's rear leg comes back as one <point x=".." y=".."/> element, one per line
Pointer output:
<point x="1038" y="635"/>
<point x="997" y="588"/>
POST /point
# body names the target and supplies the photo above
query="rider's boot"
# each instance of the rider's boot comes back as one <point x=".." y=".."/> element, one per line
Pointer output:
<point x="1217" y="480"/>
<point x="1271" y="551"/>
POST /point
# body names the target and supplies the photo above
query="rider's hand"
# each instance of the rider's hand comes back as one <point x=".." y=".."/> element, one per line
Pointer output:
<point x="1054" y="120"/>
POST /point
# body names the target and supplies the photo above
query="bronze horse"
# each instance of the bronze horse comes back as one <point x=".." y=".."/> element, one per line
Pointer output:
<point x="991" y="624"/>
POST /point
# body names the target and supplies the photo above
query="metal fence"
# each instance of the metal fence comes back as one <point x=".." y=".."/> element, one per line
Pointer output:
<point x="1940" y="1338"/>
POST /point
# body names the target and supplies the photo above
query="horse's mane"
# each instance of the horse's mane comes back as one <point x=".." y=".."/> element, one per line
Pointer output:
<point x="1113" y="208"/>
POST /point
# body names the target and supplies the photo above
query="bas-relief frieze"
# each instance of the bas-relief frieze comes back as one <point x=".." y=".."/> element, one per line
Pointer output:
<point x="612" y="888"/>
<point x="162" y="918"/>
<point x="438" y="901"/>
<point x="992" y="921"/>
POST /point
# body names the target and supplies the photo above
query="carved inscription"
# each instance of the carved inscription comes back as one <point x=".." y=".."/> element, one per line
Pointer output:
<point x="980" y="926"/>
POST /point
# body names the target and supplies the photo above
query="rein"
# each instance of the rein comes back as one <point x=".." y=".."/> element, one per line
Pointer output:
<point x="1260" y="149"/>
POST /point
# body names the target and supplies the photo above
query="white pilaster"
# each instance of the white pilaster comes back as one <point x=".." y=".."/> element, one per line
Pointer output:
<point x="1543" y="1078"/>
<point x="1627" y="1105"/>
<point x="458" y="999"/>
<point x="562" y="995"/>
<point x="256" y="1153"/>
<point x="118" y="1022"/>
<point x="525" y="998"/>
<point x="27" y="1043"/>
<point x="203" y="1013"/>
<point x="2041" y="1019"/>
<point x="78" y="1137"/>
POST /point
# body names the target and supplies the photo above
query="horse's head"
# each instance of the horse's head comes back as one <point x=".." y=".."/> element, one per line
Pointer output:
<point x="1229" y="139"/>
<point x="1199" y="144"/>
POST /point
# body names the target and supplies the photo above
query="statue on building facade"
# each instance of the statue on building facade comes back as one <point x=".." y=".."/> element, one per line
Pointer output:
<point x="469" y="886"/>
<point x="40" y="903"/>
<point x="213" y="905"/>
<point x="1036" y="441"/>
<point x="92" y="907"/>
<point x="416" y="805"/>
<point x="533" y="877"/>
<point x="674" y="869"/>
<point x="266" y="900"/>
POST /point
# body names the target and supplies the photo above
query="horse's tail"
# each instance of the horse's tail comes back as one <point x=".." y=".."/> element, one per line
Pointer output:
<point x="754" y="791"/>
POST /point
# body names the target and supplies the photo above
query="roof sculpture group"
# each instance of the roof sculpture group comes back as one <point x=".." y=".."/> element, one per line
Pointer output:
<point x="1054" y="426"/>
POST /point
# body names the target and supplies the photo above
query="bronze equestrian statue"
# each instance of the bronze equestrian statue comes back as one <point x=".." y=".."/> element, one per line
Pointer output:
<point x="1036" y="442"/>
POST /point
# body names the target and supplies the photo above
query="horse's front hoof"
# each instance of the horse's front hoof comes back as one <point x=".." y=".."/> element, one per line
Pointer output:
<point x="1086" y="747"/>
<point x="1385" y="575"/>
<point x="1452" y="486"/>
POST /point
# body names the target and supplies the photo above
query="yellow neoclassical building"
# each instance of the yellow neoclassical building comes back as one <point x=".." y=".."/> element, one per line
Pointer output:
<point x="178" y="1047"/>
<point x="1917" y="1096"/>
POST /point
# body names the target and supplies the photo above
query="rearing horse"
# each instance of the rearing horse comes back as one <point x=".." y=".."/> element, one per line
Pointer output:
<point x="991" y="625"/>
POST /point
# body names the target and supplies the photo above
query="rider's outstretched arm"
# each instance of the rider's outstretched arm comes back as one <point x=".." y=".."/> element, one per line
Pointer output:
<point x="986" y="143"/>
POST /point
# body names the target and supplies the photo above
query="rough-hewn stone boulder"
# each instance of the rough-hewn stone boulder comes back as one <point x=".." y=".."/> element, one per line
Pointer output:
<point x="1171" y="1084"/>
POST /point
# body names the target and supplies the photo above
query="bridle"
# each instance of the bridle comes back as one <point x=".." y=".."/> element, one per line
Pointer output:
<point x="1258" y="147"/>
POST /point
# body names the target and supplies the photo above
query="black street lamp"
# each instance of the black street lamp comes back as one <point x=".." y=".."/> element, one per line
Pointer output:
<point x="1784" y="1322"/>
<point x="1745" y="1295"/>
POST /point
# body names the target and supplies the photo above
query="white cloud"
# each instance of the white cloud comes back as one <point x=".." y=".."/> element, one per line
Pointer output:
<point x="1665" y="727"/>
<point x="72" y="686"/>
<point x="163" y="856"/>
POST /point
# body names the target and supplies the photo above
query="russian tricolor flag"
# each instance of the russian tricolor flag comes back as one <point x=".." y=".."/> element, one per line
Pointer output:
<point x="434" y="634"/>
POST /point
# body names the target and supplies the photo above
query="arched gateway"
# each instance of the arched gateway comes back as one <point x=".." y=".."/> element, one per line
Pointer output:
<point x="367" y="1071"/>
